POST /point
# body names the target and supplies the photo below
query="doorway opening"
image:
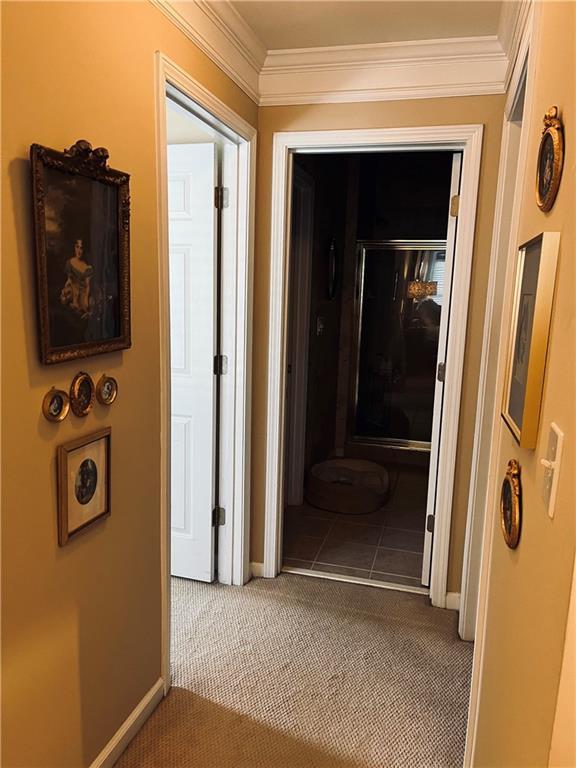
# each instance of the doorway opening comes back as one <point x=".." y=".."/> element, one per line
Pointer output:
<point x="202" y="160"/>
<point x="206" y="167"/>
<point x="371" y="254"/>
<point x="464" y="144"/>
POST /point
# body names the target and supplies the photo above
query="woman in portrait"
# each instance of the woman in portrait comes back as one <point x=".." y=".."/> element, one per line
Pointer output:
<point x="76" y="290"/>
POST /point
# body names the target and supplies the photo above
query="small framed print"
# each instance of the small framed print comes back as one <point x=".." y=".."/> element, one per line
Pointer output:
<point x="550" y="160"/>
<point x="56" y="405"/>
<point x="106" y="390"/>
<point x="511" y="505"/>
<point x="528" y="339"/>
<point x="82" y="394"/>
<point x="83" y="483"/>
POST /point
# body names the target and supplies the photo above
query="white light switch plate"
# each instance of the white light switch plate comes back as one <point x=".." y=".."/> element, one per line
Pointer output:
<point x="551" y="464"/>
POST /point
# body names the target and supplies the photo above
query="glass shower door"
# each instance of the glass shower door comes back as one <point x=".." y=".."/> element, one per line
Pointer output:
<point x="398" y="313"/>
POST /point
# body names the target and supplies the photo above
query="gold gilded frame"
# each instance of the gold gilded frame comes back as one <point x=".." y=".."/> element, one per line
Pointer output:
<point x="526" y="432"/>
<point x="77" y="408"/>
<point x="80" y="160"/>
<point x="47" y="402"/>
<point x="552" y="128"/>
<point x="100" y="396"/>
<point x="511" y="531"/>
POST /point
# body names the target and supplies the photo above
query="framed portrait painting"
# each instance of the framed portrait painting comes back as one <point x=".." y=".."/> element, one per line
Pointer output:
<point x="550" y="160"/>
<point x="528" y="346"/>
<point x="82" y="222"/>
<point x="83" y="483"/>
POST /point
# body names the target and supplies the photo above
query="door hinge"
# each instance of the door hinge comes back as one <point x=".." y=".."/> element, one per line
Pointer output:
<point x="455" y="206"/>
<point x="220" y="365"/>
<point x="218" y="516"/>
<point x="221" y="197"/>
<point x="430" y="523"/>
<point x="441" y="372"/>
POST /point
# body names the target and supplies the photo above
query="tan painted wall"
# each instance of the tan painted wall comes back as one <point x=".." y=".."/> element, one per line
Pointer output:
<point x="81" y="625"/>
<point x="485" y="109"/>
<point x="529" y="587"/>
<point x="563" y="746"/>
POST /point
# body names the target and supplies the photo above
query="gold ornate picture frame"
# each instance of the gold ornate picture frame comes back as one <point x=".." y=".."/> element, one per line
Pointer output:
<point x="528" y="338"/>
<point x="82" y="393"/>
<point x="82" y="223"/>
<point x="550" y="160"/>
<point x="106" y="390"/>
<point x="511" y="505"/>
<point x="55" y="405"/>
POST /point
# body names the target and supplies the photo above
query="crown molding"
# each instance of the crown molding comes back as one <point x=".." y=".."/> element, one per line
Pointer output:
<point x="467" y="66"/>
<point x="513" y="20"/>
<point x="383" y="72"/>
<point x="223" y="37"/>
<point x="238" y="31"/>
<point x="381" y="54"/>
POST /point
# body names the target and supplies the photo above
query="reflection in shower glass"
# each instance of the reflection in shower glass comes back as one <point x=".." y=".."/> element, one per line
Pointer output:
<point x="398" y="323"/>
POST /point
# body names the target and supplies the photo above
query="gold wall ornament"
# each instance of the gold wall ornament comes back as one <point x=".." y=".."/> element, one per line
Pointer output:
<point x="106" y="390"/>
<point x="55" y="405"/>
<point x="82" y="394"/>
<point x="550" y="160"/>
<point x="511" y="504"/>
<point x="421" y="289"/>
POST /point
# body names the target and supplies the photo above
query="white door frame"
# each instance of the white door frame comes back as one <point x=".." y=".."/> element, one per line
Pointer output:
<point x="506" y="215"/>
<point x="234" y="536"/>
<point x="491" y="524"/>
<point x="464" y="138"/>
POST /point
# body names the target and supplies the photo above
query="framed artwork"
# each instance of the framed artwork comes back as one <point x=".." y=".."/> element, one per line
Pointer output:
<point x="511" y="505"/>
<point x="106" y="390"/>
<point x="55" y="405"/>
<point x="550" y="160"/>
<point x="528" y="345"/>
<point x="82" y="394"/>
<point x="82" y="222"/>
<point x="83" y="483"/>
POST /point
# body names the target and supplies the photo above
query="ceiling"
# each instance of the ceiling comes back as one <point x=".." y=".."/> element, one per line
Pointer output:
<point x="312" y="23"/>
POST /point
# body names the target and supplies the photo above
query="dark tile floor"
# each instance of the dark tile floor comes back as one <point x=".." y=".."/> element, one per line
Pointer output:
<point x="386" y="545"/>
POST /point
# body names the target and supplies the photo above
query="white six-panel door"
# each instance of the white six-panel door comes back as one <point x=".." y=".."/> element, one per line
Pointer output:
<point x="192" y="176"/>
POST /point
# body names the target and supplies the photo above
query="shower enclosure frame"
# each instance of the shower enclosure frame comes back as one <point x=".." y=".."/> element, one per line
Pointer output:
<point x="351" y="432"/>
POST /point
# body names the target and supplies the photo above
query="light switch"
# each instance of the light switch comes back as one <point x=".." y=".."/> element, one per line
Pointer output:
<point x="551" y="464"/>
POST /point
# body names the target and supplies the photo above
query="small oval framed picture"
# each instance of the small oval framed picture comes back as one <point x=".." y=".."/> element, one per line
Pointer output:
<point x="55" y="405"/>
<point x="511" y="505"/>
<point x="550" y="160"/>
<point x="106" y="390"/>
<point x="82" y="394"/>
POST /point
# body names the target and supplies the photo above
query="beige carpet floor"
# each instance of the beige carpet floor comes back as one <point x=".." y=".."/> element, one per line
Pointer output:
<point x="299" y="672"/>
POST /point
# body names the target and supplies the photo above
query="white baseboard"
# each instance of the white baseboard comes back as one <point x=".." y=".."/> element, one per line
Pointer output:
<point x="257" y="570"/>
<point x="453" y="601"/>
<point x="130" y="727"/>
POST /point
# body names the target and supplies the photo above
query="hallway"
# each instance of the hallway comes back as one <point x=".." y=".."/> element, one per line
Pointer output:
<point x="303" y="672"/>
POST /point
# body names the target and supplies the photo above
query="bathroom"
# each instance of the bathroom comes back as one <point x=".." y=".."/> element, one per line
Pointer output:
<point x="368" y="312"/>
